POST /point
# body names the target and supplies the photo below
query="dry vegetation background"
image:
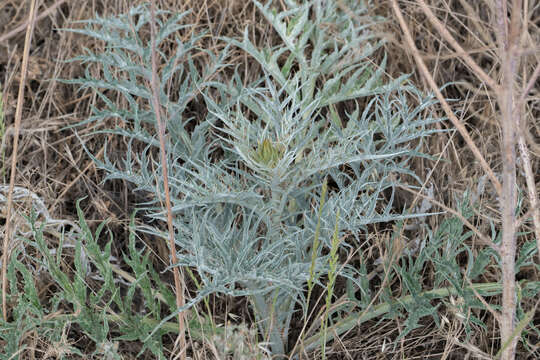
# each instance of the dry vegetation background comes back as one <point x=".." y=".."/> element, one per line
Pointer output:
<point x="52" y="163"/>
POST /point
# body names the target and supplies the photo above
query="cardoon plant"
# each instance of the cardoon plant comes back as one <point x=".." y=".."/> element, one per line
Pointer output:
<point x="246" y="180"/>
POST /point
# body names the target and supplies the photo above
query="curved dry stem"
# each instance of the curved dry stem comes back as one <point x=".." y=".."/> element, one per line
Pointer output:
<point x="18" y="117"/>
<point x="446" y="107"/>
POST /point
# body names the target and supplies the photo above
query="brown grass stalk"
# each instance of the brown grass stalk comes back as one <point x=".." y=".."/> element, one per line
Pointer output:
<point x="446" y="107"/>
<point x="526" y="158"/>
<point x="509" y="100"/>
<point x="531" y="188"/>
<point x="17" y="125"/>
<point x="21" y="27"/>
<point x="459" y="50"/>
<point x="179" y="289"/>
<point x="529" y="85"/>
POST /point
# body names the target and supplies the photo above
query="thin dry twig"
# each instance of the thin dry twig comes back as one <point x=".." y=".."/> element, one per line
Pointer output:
<point x="483" y="238"/>
<point x="460" y="51"/>
<point x="529" y="86"/>
<point x="21" y="27"/>
<point x="495" y="313"/>
<point x="529" y="174"/>
<point x="508" y="40"/>
<point x="18" y="117"/>
<point x="522" y="144"/>
<point x="161" y="129"/>
<point x="453" y="118"/>
<point x="531" y="186"/>
<point x="60" y="197"/>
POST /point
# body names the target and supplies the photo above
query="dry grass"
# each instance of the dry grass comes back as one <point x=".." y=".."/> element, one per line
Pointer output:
<point x="52" y="163"/>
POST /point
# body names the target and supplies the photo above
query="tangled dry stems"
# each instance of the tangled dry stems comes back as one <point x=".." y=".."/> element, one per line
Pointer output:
<point x="51" y="160"/>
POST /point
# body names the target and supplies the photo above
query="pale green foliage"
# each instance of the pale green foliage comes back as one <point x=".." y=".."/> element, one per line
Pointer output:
<point x="102" y="313"/>
<point x="326" y="52"/>
<point x="246" y="180"/>
<point x="253" y="214"/>
<point x="453" y="284"/>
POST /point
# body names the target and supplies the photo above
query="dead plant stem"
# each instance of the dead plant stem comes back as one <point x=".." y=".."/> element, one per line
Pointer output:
<point x="460" y="51"/>
<point x="483" y="238"/>
<point x="529" y="86"/>
<point x="508" y="39"/>
<point x="179" y="289"/>
<point x="531" y="188"/>
<point x="446" y="107"/>
<point x="21" y="27"/>
<point x="17" y="125"/>
<point x="509" y="123"/>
